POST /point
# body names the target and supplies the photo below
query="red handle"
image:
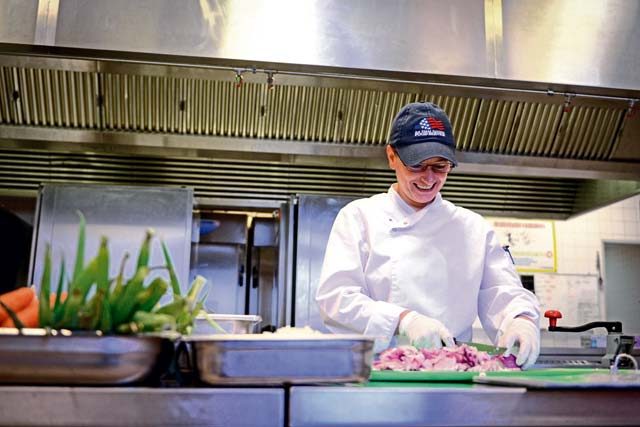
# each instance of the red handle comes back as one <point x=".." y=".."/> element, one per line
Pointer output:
<point x="553" y="316"/>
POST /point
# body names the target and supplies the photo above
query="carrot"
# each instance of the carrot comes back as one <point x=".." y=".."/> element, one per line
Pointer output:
<point x="16" y="300"/>
<point x="28" y="316"/>
<point x="52" y="298"/>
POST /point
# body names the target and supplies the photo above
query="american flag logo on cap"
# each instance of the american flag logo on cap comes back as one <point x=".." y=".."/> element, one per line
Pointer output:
<point x="431" y="123"/>
<point x="430" y="126"/>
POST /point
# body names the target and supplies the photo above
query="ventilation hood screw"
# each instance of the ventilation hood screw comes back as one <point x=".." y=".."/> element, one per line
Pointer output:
<point x="238" y="79"/>
<point x="567" y="102"/>
<point x="631" y="111"/>
<point x="269" y="80"/>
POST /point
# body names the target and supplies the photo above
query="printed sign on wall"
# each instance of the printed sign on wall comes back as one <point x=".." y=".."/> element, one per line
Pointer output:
<point x="575" y="295"/>
<point x="532" y="243"/>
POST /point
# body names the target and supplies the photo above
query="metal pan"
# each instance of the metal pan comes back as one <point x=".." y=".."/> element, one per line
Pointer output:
<point x="39" y="356"/>
<point x="230" y="323"/>
<point x="273" y="360"/>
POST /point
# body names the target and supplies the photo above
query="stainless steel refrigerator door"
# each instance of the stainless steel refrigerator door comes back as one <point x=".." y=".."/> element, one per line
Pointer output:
<point x="315" y="219"/>
<point x="123" y="214"/>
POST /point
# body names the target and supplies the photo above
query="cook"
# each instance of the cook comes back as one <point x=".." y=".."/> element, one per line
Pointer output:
<point x="409" y="263"/>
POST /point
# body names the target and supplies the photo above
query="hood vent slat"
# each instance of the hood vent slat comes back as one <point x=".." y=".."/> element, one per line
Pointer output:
<point x="25" y="170"/>
<point x="352" y="116"/>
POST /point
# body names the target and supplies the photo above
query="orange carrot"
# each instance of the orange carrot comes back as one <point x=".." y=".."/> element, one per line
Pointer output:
<point x="28" y="316"/>
<point x="52" y="298"/>
<point x="16" y="300"/>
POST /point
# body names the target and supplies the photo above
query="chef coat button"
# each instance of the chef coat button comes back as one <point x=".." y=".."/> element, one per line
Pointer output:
<point x="405" y="223"/>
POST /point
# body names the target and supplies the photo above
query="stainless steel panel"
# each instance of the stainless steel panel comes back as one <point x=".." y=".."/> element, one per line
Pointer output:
<point x="47" y="22"/>
<point x="286" y="268"/>
<point x="18" y="20"/>
<point x="628" y="149"/>
<point x="590" y="43"/>
<point x="563" y="42"/>
<point x="263" y="269"/>
<point x="571" y="357"/>
<point x="122" y="214"/>
<point x="315" y="220"/>
<point x="455" y="406"/>
<point x="278" y="359"/>
<point x="267" y="288"/>
<point x="229" y="229"/>
<point x="331" y="33"/>
<point x="264" y="232"/>
<point x="79" y="358"/>
<point x="223" y="267"/>
<point x="263" y="291"/>
<point x="141" y="406"/>
<point x="594" y="194"/>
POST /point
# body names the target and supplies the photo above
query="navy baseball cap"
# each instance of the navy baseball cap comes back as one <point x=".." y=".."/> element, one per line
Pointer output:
<point x="420" y="131"/>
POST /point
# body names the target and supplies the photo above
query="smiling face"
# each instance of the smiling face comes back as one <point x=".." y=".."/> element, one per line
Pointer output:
<point x="418" y="189"/>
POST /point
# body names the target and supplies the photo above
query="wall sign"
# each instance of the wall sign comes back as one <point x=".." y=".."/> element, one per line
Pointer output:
<point x="575" y="295"/>
<point x="532" y="243"/>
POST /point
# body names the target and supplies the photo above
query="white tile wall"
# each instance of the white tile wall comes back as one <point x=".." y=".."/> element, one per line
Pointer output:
<point x="578" y="240"/>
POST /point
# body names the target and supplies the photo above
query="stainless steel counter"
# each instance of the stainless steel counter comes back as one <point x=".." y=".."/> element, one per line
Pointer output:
<point x="464" y="405"/>
<point x="373" y="404"/>
<point x="91" y="406"/>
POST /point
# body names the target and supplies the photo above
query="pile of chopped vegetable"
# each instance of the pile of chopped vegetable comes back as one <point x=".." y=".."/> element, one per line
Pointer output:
<point x="460" y="358"/>
<point x="91" y="300"/>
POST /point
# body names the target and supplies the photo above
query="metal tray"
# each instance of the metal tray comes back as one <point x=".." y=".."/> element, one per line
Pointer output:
<point x="273" y="360"/>
<point x="39" y="356"/>
<point x="231" y="323"/>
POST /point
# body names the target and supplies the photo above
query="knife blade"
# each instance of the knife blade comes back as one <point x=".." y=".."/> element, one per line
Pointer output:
<point x="492" y="350"/>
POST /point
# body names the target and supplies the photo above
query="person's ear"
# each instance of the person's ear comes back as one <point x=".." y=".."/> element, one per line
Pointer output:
<point x="391" y="155"/>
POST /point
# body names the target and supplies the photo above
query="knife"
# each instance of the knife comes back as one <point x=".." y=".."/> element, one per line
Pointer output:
<point x="492" y="350"/>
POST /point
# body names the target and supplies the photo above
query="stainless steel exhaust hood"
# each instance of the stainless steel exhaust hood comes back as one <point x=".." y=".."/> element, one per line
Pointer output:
<point x="258" y="100"/>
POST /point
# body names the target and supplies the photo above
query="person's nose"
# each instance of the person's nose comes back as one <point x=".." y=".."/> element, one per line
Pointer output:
<point x="429" y="175"/>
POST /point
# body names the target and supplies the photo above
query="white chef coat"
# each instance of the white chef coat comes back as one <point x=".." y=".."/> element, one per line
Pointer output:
<point x="443" y="261"/>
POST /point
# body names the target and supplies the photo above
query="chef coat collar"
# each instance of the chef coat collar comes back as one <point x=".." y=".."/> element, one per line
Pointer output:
<point x="405" y="215"/>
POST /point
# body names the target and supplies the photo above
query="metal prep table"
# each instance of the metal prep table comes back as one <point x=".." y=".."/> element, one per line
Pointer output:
<point x="373" y="404"/>
<point x="449" y="404"/>
<point x="135" y="406"/>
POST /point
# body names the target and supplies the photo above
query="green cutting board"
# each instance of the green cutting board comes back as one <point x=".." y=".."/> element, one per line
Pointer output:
<point x="571" y="378"/>
<point x="449" y="376"/>
<point x="453" y="376"/>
